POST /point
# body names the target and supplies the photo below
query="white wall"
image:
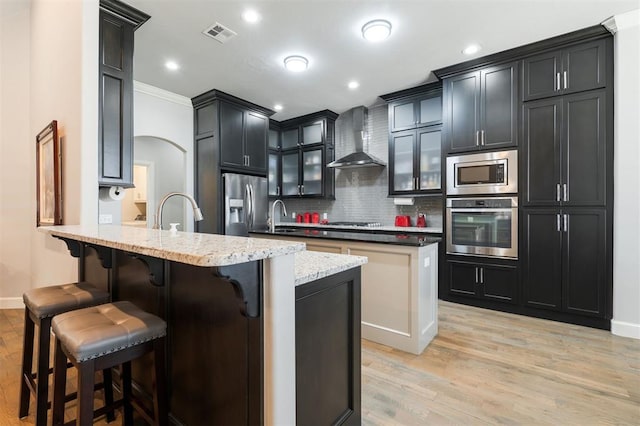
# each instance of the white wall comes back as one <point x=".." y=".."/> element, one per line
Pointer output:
<point x="626" y="233"/>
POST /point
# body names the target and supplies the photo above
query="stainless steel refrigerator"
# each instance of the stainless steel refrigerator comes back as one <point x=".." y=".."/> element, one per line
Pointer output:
<point x="246" y="203"/>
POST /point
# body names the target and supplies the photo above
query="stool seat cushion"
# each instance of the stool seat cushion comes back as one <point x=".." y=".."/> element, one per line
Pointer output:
<point x="96" y="331"/>
<point x="49" y="301"/>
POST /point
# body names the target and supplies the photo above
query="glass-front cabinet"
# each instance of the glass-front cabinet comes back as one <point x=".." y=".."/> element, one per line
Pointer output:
<point x="274" y="166"/>
<point x="415" y="135"/>
<point x="299" y="167"/>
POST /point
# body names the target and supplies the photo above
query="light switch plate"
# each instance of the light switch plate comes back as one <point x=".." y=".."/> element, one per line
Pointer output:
<point x="105" y="218"/>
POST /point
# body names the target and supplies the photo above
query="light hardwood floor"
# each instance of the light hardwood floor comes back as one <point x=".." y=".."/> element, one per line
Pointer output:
<point x="484" y="367"/>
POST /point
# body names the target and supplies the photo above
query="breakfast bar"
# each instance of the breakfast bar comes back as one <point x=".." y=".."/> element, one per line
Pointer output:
<point x="230" y="305"/>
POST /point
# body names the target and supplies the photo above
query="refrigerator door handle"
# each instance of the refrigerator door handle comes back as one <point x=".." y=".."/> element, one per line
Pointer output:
<point x="252" y="203"/>
<point x="247" y="203"/>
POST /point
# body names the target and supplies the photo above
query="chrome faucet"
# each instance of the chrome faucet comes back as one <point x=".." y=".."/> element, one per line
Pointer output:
<point x="197" y="214"/>
<point x="272" y="218"/>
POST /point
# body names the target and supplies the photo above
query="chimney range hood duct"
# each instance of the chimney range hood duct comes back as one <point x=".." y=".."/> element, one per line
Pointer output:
<point x="354" y="122"/>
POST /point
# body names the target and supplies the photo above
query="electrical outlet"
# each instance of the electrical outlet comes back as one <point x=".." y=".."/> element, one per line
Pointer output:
<point x="105" y="218"/>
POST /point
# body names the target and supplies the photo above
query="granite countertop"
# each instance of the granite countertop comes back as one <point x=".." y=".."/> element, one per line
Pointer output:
<point x="313" y="265"/>
<point x="399" y="229"/>
<point x="399" y="239"/>
<point x="185" y="247"/>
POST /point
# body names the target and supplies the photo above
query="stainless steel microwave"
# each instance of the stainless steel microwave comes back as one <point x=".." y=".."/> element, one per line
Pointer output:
<point x="483" y="173"/>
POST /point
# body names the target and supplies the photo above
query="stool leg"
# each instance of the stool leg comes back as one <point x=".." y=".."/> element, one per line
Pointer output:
<point x="107" y="381"/>
<point x="126" y="393"/>
<point x="160" y="410"/>
<point x="86" y="382"/>
<point x="59" y="384"/>
<point x="27" y="364"/>
<point x="42" y="372"/>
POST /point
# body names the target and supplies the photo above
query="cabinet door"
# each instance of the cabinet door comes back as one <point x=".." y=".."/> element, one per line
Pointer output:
<point x="401" y="161"/>
<point x="274" y="174"/>
<point x="584" y="154"/>
<point x="312" y="172"/>
<point x="584" y="67"/>
<point x="289" y="138"/>
<point x="274" y="139"/>
<point x="429" y="147"/>
<point x="429" y="111"/>
<point x="402" y="115"/>
<point x="463" y="278"/>
<point x="312" y="133"/>
<point x="231" y="135"/>
<point x="498" y="106"/>
<point x="255" y="143"/>
<point x="499" y="282"/>
<point x="115" y="138"/>
<point x="542" y="242"/>
<point x="207" y="183"/>
<point x="290" y="184"/>
<point x="542" y="127"/>
<point x="462" y="97"/>
<point x="585" y="261"/>
<point x="541" y="74"/>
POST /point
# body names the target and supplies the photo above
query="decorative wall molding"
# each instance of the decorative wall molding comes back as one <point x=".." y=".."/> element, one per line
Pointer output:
<point x="161" y="93"/>
<point x="625" y="329"/>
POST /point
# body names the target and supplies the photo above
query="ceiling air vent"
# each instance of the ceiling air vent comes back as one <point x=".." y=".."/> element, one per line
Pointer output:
<point x="219" y="32"/>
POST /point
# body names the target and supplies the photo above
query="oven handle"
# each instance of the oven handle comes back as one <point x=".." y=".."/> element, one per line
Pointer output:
<point x="480" y="210"/>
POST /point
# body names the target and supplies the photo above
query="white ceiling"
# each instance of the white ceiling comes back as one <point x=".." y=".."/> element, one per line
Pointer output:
<point x="427" y="35"/>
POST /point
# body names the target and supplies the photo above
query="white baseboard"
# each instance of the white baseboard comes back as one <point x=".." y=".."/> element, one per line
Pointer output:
<point x="11" y="303"/>
<point x="625" y="329"/>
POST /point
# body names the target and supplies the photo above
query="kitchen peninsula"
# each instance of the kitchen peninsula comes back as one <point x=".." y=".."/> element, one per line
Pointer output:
<point x="231" y="308"/>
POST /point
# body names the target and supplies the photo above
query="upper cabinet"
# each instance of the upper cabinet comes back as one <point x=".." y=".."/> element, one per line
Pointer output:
<point x="240" y="128"/>
<point x="480" y="108"/>
<point x="415" y="139"/>
<point x="572" y="69"/>
<point x="306" y="147"/>
<point x="117" y="23"/>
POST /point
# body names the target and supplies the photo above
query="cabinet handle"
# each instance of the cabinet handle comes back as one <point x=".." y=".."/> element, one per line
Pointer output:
<point x="299" y="193"/>
<point x="565" y="79"/>
<point x="566" y="222"/>
<point x="278" y="190"/>
<point x="558" y="222"/>
<point x="482" y="139"/>
<point x="481" y="275"/>
<point x="557" y="192"/>
<point x="564" y="192"/>
<point x="302" y="187"/>
<point x="476" y="275"/>
<point x="558" y="81"/>
<point x="477" y="137"/>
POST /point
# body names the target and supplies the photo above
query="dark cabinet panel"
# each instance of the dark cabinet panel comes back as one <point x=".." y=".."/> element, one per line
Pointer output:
<point x="274" y="176"/>
<point x="573" y="69"/>
<point x="542" y="263"/>
<point x="207" y="181"/>
<point x="564" y="150"/>
<point x="290" y="138"/>
<point x="313" y="133"/>
<point x="231" y="135"/>
<point x="416" y="111"/>
<point x="483" y="280"/>
<point x="481" y="108"/>
<point x="463" y="278"/>
<point x="256" y="126"/>
<point x="243" y="138"/>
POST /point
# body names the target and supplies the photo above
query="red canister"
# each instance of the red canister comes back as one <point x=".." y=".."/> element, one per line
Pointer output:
<point x="315" y="217"/>
<point x="299" y="218"/>
<point x="307" y="217"/>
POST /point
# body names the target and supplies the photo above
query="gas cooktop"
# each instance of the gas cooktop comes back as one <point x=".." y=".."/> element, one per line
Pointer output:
<point x="365" y="224"/>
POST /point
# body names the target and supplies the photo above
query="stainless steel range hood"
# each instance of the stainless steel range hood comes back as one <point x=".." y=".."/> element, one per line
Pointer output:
<point x="354" y="122"/>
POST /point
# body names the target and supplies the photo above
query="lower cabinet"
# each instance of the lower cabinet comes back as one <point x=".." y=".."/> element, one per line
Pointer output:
<point x="328" y="350"/>
<point x="483" y="280"/>
<point x="566" y="260"/>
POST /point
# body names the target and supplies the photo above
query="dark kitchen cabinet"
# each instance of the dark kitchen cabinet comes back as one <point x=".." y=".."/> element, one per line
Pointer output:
<point x="274" y="174"/>
<point x="414" y="161"/>
<point x="328" y="350"/>
<point x="572" y="69"/>
<point x="483" y="280"/>
<point x="480" y="108"/>
<point x="243" y="139"/>
<point x="306" y="148"/>
<point x="566" y="260"/>
<point x="117" y="23"/>
<point x="565" y="155"/>
<point x="415" y="140"/>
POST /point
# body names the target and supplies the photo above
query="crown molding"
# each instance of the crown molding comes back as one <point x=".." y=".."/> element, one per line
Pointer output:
<point x="161" y="94"/>
<point x="622" y="21"/>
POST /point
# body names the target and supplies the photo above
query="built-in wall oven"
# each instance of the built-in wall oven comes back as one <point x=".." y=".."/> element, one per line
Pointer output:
<point x="486" y="226"/>
<point x="483" y="173"/>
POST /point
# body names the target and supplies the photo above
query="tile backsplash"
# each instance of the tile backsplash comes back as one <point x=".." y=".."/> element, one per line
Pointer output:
<point x="361" y="193"/>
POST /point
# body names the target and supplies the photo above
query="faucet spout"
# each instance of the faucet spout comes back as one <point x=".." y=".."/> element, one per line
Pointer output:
<point x="197" y="214"/>
<point x="272" y="218"/>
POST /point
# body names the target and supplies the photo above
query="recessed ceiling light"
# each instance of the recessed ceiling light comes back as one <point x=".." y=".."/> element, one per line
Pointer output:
<point x="171" y="65"/>
<point x="471" y="49"/>
<point x="376" y="30"/>
<point x="251" y="16"/>
<point x="353" y="85"/>
<point x="277" y="107"/>
<point x="296" y="63"/>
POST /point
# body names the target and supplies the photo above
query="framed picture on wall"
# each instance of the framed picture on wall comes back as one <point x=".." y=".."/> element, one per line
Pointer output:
<point x="48" y="176"/>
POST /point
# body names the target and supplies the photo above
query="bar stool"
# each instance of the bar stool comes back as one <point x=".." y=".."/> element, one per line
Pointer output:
<point x="41" y="304"/>
<point x="103" y="337"/>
